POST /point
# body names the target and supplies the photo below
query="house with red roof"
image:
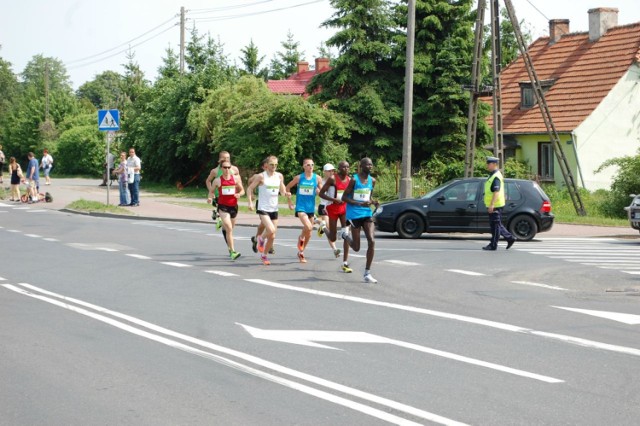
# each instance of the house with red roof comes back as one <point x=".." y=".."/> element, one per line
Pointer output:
<point x="591" y="82"/>
<point x="296" y="84"/>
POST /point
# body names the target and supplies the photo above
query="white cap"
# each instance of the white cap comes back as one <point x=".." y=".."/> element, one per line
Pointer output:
<point x="327" y="167"/>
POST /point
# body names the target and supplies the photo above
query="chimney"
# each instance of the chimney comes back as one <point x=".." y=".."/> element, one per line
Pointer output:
<point x="322" y="63"/>
<point x="557" y="28"/>
<point x="303" y="66"/>
<point x="601" y="20"/>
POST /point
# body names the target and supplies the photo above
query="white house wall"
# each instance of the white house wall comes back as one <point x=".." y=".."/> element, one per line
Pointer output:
<point x="612" y="130"/>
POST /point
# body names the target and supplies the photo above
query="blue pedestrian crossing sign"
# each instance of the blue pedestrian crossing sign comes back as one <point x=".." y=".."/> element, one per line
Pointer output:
<point x="108" y="119"/>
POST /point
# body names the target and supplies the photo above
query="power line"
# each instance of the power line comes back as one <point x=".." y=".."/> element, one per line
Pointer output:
<point x="244" y="15"/>
<point x="237" y="6"/>
<point x="121" y="51"/>
<point x="125" y="43"/>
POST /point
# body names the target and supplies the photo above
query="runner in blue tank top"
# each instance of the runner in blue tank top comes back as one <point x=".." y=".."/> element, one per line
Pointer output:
<point x="309" y="185"/>
<point x="359" y="198"/>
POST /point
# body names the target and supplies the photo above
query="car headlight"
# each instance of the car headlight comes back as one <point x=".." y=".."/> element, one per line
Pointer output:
<point x="378" y="211"/>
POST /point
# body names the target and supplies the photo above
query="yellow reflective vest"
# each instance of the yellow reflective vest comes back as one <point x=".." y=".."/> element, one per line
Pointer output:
<point x="488" y="195"/>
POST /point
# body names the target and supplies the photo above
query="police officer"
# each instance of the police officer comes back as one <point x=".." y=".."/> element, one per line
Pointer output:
<point x="494" y="199"/>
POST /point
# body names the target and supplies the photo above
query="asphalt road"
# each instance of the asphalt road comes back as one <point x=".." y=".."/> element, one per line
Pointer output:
<point x="120" y="321"/>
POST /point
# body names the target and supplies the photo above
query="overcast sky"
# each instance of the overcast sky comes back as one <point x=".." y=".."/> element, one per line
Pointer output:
<point x="91" y="36"/>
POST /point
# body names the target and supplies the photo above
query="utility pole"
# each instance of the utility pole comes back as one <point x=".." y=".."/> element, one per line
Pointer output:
<point x="496" y="69"/>
<point x="46" y="90"/>
<point x="406" y="186"/>
<point x="182" y="12"/>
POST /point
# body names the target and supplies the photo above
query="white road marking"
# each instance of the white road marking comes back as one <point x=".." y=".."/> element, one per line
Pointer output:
<point x="51" y="240"/>
<point x="402" y="262"/>
<point x="21" y="208"/>
<point x="13" y="230"/>
<point x="32" y="235"/>
<point x="461" y="271"/>
<point x="309" y="337"/>
<point x="246" y="357"/>
<point x="456" y="317"/>
<point x="138" y="256"/>
<point x="177" y="264"/>
<point x="631" y="272"/>
<point x="2" y="279"/>
<point x="551" y="287"/>
<point x="37" y="211"/>
<point x="222" y="273"/>
<point x="615" y="316"/>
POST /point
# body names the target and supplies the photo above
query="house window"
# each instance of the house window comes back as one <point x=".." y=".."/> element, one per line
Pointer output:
<point x="528" y="99"/>
<point x="527" y="95"/>
<point x="545" y="161"/>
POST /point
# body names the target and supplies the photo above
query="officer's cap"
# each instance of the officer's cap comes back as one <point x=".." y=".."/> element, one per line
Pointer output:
<point x="492" y="160"/>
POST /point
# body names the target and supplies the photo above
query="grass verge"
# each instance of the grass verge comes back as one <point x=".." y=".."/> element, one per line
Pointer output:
<point x="96" y="207"/>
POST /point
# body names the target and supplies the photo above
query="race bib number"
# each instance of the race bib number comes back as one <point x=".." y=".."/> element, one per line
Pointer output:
<point x="363" y="194"/>
<point x="228" y="190"/>
<point x="339" y="194"/>
<point x="305" y="190"/>
<point x="273" y="190"/>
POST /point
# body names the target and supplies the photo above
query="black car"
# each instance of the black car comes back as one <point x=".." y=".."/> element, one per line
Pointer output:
<point x="458" y="206"/>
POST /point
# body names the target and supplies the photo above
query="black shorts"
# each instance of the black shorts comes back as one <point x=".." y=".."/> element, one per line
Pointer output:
<point x="272" y="215"/>
<point x="307" y="213"/>
<point x="322" y="210"/>
<point x="357" y="223"/>
<point x="232" y="210"/>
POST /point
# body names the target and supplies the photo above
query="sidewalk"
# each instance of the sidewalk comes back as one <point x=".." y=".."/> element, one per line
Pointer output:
<point x="159" y="207"/>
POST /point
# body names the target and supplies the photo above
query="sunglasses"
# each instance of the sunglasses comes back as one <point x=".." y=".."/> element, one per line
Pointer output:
<point x="309" y="165"/>
<point x="226" y="167"/>
<point x="273" y="164"/>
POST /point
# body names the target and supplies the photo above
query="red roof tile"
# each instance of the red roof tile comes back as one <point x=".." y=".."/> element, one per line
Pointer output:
<point x="295" y="84"/>
<point x="584" y="73"/>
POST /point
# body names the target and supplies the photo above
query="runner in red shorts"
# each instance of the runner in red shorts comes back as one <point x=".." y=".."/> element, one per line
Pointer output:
<point x="332" y="191"/>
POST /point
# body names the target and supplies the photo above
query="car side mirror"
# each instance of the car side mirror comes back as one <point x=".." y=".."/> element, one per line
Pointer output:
<point x="632" y="195"/>
<point x="441" y="198"/>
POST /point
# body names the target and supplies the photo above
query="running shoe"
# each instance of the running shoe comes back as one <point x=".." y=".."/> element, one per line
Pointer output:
<point x="300" y="243"/>
<point x="254" y="244"/>
<point x="345" y="234"/>
<point x="265" y="261"/>
<point x="368" y="278"/>
<point x="214" y="215"/>
<point x="322" y="228"/>
<point x="336" y="252"/>
<point x="234" y="255"/>
<point x="218" y="224"/>
<point x="346" y="269"/>
<point x="261" y="243"/>
<point x="272" y="251"/>
<point x="301" y="257"/>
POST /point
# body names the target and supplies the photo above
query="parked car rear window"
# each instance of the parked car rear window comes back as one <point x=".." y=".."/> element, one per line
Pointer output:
<point x="512" y="192"/>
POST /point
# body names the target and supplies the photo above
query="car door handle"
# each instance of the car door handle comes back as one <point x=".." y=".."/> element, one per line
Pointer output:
<point x="471" y="206"/>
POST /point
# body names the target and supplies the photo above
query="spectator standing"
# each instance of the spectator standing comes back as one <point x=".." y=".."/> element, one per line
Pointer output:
<point x="109" y="160"/>
<point x="2" y="160"/>
<point x="134" y="165"/>
<point x="34" y="177"/>
<point x="16" y="177"/>
<point x="122" y="174"/>
<point x="46" y="163"/>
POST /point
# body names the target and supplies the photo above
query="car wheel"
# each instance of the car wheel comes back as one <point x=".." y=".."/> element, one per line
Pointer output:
<point x="410" y="225"/>
<point x="523" y="227"/>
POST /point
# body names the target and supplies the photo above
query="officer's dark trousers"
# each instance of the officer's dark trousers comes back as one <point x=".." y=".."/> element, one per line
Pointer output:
<point x="497" y="228"/>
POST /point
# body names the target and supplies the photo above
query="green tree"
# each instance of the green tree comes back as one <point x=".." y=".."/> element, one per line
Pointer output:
<point x="45" y="99"/>
<point x="252" y="61"/>
<point x="170" y="67"/>
<point x="81" y="148"/>
<point x="105" y="91"/>
<point x="363" y="84"/>
<point x="443" y="52"/>
<point x="133" y="82"/>
<point x="156" y="123"/>
<point x="626" y="181"/>
<point x="248" y="120"/>
<point x="9" y="88"/>
<point x="285" y="62"/>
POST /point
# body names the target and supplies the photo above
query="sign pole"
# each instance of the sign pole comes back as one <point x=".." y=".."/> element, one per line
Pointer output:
<point x="109" y="122"/>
